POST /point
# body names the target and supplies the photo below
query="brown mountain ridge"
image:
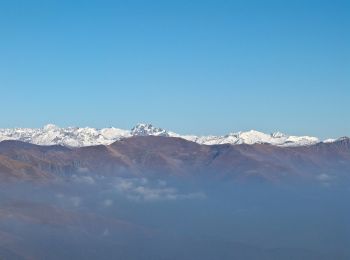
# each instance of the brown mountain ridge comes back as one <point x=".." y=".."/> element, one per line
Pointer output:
<point x="157" y="155"/>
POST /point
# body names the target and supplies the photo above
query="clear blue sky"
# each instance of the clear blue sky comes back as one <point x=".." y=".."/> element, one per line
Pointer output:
<point x="191" y="66"/>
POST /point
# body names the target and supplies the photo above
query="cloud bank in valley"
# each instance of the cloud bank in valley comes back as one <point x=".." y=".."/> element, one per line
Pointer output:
<point x="141" y="189"/>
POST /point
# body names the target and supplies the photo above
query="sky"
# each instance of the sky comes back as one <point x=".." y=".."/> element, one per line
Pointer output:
<point x="200" y="67"/>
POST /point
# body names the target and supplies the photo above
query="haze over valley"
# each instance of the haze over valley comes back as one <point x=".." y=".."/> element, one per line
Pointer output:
<point x="161" y="197"/>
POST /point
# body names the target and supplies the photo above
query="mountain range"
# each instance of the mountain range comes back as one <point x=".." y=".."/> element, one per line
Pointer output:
<point x="159" y="155"/>
<point x="80" y="137"/>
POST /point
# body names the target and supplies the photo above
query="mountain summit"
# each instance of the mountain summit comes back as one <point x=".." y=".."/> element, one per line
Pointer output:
<point x="143" y="129"/>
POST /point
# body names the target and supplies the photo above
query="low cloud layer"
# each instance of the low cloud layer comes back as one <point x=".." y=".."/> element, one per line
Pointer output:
<point x="136" y="189"/>
<point x="144" y="190"/>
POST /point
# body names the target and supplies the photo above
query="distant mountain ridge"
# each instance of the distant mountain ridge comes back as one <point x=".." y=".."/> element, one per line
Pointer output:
<point x="80" y="137"/>
<point x="324" y="163"/>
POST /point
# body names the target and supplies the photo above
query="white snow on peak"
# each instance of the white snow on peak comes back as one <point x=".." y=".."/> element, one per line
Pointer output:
<point x="77" y="137"/>
<point x="278" y="135"/>
<point x="70" y="136"/>
<point x="143" y="129"/>
<point x="255" y="137"/>
<point x="330" y="140"/>
<point x="49" y="127"/>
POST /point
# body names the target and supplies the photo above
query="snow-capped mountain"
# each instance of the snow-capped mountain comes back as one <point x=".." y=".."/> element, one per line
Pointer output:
<point x="254" y="137"/>
<point x="148" y="129"/>
<point x="78" y="137"/>
<point x="70" y="136"/>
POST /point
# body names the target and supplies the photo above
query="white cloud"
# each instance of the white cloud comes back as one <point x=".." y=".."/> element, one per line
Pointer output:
<point x="162" y="183"/>
<point x="59" y="195"/>
<point x="105" y="232"/>
<point x="83" y="169"/>
<point x="145" y="190"/>
<point x="108" y="202"/>
<point x="84" y="179"/>
<point x="324" y="177"/>
<point x="76" y="201"/>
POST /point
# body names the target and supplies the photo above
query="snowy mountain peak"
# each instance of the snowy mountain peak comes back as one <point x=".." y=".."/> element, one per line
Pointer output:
<point x="143" y="129"/>
<point x="50" y="127"/>
<point x="343" y="138"/>
<point x="278" y="135"/>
